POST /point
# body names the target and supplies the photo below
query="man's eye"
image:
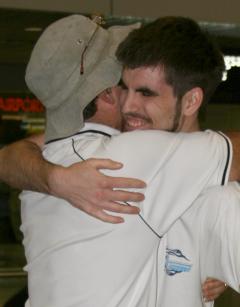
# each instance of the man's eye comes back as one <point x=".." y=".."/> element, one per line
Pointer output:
<point x="123" y="86"/>
<point x="147" y="93"/>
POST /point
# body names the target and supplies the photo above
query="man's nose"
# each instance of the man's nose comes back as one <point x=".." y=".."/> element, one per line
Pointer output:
<point x="130" y="103"/>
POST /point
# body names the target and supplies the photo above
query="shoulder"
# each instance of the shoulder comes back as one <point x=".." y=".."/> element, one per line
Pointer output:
<point x="231" y="190"/>
<point x="221" y="202"/>
<point x="144" y="144"/>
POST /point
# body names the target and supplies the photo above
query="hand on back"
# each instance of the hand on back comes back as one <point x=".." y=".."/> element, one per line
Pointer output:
<point x="85" y="187"/>
<point x="212" y="289"/>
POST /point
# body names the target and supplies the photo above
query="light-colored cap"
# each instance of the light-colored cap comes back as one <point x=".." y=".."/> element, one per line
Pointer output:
<point x="72" y="62"/>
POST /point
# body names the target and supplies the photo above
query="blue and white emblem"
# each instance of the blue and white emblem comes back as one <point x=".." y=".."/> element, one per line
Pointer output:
<point x="176" y="262"/>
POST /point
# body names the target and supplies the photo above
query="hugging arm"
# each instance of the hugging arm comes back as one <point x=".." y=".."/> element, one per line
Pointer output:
<point x="235" y="168"/>
<point x="23" y="166"/>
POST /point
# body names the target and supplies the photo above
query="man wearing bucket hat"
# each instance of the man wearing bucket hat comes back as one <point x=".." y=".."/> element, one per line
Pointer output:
<point x="89" y="276"/>
<point x="73" y="62"/>
<point x="80" y="78"/>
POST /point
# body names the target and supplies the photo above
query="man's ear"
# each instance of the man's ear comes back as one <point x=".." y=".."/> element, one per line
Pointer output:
<point x="106" y="96"/>
<point x="192" y="101"/>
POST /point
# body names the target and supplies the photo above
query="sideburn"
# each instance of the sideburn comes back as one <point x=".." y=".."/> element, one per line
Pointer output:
<point x="177" y="116"/>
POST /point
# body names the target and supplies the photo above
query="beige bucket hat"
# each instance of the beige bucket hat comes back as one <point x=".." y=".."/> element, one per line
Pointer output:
<point x="72" y="62"/>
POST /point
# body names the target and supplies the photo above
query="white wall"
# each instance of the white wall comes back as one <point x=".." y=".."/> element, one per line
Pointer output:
<point x="201" y="10"/>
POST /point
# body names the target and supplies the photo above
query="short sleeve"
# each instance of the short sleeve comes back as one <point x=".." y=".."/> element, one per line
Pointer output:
<point x="219" y="237"/>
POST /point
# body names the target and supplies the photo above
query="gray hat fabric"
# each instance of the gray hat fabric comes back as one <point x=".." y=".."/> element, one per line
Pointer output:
<point x="53" y="72"/>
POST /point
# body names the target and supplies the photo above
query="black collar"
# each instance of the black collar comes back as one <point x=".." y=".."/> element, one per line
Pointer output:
<point x="80" y="132"/>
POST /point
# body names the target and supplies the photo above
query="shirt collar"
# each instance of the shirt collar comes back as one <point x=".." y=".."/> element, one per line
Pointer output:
<point x="103" y="128"/>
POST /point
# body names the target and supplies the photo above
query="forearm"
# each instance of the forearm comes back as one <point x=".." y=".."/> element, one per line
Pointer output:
<point x="235" y="168"/>
<point x="22" y="166"/>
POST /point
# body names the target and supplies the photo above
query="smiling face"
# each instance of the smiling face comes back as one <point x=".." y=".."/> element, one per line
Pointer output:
<point x="148" y="102"/>
<point x="105" y="109"/>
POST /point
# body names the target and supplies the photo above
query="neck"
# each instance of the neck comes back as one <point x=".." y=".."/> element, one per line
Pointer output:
<point x="189" y="124"/>
<point x="191" y="127"/>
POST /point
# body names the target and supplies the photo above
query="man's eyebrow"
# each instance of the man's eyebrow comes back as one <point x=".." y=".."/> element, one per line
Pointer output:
<point x="145" y="89"/>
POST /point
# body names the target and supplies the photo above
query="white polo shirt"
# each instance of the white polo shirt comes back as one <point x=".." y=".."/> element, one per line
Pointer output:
<point x="76" y="260"/>
<point x="203" y="243"/>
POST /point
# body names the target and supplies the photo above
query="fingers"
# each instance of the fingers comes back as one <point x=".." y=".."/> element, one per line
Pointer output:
<point x="131" y="183"/>
<point x="124" y="196"/>
<point x="115" y="182"/>
<point x="104" y="164"/>
<point x="121" y="208"/>
<point x="212" y="289"/>
<point x="105" y="217"/>
<point x="112" y="200"/>
<point x="89" y="190"/>
<point x="100" y="213"/>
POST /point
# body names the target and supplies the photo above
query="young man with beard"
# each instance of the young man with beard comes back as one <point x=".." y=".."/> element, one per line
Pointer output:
<point x="162" y="91"/>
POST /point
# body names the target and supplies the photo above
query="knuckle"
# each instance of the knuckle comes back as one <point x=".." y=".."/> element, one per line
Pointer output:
<point x="91" y="210"/>
<point x="99" y="195"/>
<point x="104" y="183"/>
<point x="90" y="161"/>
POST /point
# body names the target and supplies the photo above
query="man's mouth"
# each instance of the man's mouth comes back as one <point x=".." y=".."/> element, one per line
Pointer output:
<point x="135" y="122"/>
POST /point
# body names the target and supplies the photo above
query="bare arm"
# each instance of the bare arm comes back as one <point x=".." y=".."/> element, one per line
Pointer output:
<point x="235" y="168"/>
<point x="23" y="166"/>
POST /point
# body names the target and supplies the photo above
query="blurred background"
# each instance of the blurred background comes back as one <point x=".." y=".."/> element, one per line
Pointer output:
<point x="21" y="114"/>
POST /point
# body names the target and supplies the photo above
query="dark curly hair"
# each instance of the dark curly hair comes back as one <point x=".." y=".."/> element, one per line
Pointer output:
<point x="189" y="56"/>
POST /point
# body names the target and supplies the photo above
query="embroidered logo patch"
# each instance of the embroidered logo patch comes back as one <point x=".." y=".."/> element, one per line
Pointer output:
<point x="176" y="262"/>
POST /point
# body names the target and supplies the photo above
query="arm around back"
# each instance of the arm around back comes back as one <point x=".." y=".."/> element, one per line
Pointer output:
<point x="235" y="167"/>
<point x="23" y="166"/>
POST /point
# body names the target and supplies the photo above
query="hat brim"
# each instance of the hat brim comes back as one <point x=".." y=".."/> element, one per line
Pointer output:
<point x="67" y="119"/>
